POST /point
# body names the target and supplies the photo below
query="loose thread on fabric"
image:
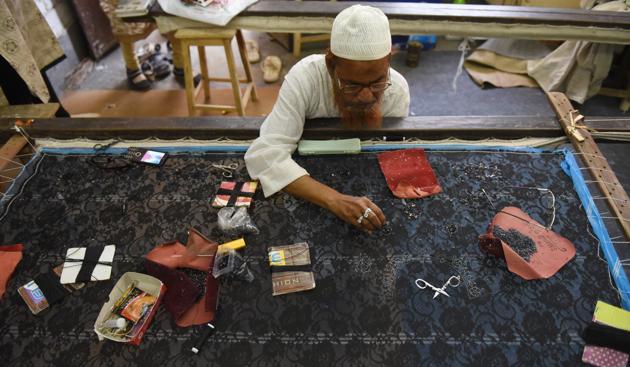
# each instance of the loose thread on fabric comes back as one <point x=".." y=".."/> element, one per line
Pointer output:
<point x="26" y="136"/>
<point x="6" y="211"/>
<point x="553" y="205"/>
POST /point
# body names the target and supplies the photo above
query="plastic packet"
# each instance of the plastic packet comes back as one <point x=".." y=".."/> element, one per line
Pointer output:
<point x="134" y="304"/>
<point x="235" y="221"/>
<point x="231" y="264"/>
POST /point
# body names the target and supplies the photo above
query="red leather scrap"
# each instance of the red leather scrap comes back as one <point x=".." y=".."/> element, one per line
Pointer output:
<point x="198" y="254"/>
<point x="535" y="253"/>
<point x="409" y="174"/>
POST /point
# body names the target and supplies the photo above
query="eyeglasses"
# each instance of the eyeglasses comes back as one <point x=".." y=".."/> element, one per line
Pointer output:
<point x="353" y="88"/>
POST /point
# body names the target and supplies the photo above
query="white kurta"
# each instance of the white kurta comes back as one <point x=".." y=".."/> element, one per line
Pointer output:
<point x="305" y="94"/>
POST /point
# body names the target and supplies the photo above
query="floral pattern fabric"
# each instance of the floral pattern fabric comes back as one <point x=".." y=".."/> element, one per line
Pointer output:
<point x="365" y="310"/>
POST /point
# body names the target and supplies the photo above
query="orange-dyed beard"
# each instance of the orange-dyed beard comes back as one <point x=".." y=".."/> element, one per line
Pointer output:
<point x="355" y="117"/>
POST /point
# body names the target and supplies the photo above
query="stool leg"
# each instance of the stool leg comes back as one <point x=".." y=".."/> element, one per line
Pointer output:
<point x="236" y="87"/>
<point x="205" y="78"/>
<point x="188" y="77"/>
<point x="248" y="72"/>
<point x="297" y="44"/>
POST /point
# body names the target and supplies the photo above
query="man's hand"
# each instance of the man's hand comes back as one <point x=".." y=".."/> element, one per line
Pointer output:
<point x="351" y="208"/>
<point x="346" y="207"/>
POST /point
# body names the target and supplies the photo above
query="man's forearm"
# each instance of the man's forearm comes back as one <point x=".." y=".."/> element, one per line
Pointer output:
<point x="309" y="189"/>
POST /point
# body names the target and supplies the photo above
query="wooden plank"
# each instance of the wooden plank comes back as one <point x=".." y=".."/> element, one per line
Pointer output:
<point x="211" y="127"/>
<point x="593" y="158"/>
<point x="96" y="27"/>
<point x="9" y="169"/>
<point x="442" y="19"/>
<point x="442" y="12"/>
<point x="32" y="111"/>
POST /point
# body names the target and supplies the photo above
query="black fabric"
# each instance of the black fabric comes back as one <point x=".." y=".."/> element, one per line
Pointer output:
<point x="90" y="260"/>
<point x="280" y="269"/>
<point x="49" y="284"/>
<point x="365" y="309"/>
<point x="607" y="336"/>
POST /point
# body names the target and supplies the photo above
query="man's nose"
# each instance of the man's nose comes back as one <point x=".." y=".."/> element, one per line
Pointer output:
<point x="365" y="96"/>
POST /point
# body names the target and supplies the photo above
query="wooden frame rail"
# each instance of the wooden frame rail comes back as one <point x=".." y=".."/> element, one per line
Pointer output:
<point x="421" y="18"/>
<point x="427" y="127"/>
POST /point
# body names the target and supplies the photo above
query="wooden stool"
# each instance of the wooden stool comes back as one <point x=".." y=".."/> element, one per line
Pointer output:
<point x="215" y="37"/>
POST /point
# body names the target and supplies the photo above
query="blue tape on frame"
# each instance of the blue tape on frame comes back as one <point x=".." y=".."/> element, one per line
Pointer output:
<point x="571" y="168"/>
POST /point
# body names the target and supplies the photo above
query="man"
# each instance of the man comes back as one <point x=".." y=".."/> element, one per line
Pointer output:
<point x="352" y="81"/>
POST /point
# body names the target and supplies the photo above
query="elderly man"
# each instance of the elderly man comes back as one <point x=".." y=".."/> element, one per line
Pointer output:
<point x="352" y="81"/>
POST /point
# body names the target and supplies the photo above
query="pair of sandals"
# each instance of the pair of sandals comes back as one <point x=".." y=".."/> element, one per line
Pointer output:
<point x="154" y="65"/>
<point x="271" y="65"/>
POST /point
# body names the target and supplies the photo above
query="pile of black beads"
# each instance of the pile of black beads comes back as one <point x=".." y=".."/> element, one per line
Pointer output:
<point x="524" y="246"/>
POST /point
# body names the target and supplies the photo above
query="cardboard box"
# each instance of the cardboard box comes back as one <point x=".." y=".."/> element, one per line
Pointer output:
<point x="146" y="283"/>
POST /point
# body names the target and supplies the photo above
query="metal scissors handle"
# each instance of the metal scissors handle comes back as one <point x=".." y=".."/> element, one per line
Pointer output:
<point x="227" y="169"/>
<point x="450" y="282"/>
<point x="437" y="290"/>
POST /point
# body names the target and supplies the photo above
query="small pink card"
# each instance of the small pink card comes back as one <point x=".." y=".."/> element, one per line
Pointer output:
<point x="604" y="357"/>
<point x="232" y="193"/>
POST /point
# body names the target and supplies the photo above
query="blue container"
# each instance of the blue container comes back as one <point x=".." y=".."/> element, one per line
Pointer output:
<point x="428" y="41"/>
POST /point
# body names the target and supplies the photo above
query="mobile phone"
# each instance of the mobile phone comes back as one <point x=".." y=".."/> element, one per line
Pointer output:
<point x="146" y="156"/>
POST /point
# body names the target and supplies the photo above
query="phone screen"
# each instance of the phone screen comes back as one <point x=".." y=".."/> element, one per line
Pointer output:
<point x="152" y="157"/>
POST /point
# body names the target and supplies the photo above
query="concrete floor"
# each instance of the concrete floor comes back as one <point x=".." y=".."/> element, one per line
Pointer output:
<point x="430" y="83"/>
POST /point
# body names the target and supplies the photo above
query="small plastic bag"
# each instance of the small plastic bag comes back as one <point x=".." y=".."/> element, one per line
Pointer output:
<point x="235" y="221"/>
<point x="231" y="264"/>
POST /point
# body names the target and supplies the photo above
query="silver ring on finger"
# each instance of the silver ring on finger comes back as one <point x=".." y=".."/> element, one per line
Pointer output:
<point x="367" y="212"/>
<point x="360" y="219"/>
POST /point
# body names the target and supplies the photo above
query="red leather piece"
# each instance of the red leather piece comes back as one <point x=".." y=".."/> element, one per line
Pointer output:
<point x="409" y="174"/>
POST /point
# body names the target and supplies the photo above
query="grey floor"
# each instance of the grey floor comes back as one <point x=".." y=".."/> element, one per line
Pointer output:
<point x="430" y="83"/>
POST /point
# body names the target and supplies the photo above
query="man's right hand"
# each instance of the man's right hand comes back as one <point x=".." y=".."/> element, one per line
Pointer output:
<point x="351" y="208"/>
<point x="346" y="207"/>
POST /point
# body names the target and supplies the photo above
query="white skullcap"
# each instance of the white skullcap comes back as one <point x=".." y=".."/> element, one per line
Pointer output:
<point x="361" y="33"/>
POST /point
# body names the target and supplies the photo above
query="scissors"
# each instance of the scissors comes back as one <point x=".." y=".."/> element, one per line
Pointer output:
<point x="423" y="284"/>
<point x="227" y="169"/>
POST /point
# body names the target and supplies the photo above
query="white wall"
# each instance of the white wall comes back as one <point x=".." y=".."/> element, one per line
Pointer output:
<point x="59" y="15"/>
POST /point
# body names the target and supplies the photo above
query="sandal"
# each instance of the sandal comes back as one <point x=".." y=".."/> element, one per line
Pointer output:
<point x="147" y="70"/>
<point x="137" y="80"/>
<point x="179" y="76"/>
<point x="253" y="55"/>
<point x="272" y="67"/>
<point x="159" y="63"/>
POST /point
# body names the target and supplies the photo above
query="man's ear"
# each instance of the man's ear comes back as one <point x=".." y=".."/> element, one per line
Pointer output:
<point x="330" y="62"/>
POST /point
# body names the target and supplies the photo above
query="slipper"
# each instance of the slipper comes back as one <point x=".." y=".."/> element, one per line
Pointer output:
<point x="253" y="55"/>
<point x="272" y="67"/>
<point x="137" y="80"/>
<point x="179" y="77"/>
<point x="147" y="70"/>
<point x="151" y="53"/>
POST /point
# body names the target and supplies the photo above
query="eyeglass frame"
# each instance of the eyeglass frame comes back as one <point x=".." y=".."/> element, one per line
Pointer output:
<point x="387" y="83"/>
